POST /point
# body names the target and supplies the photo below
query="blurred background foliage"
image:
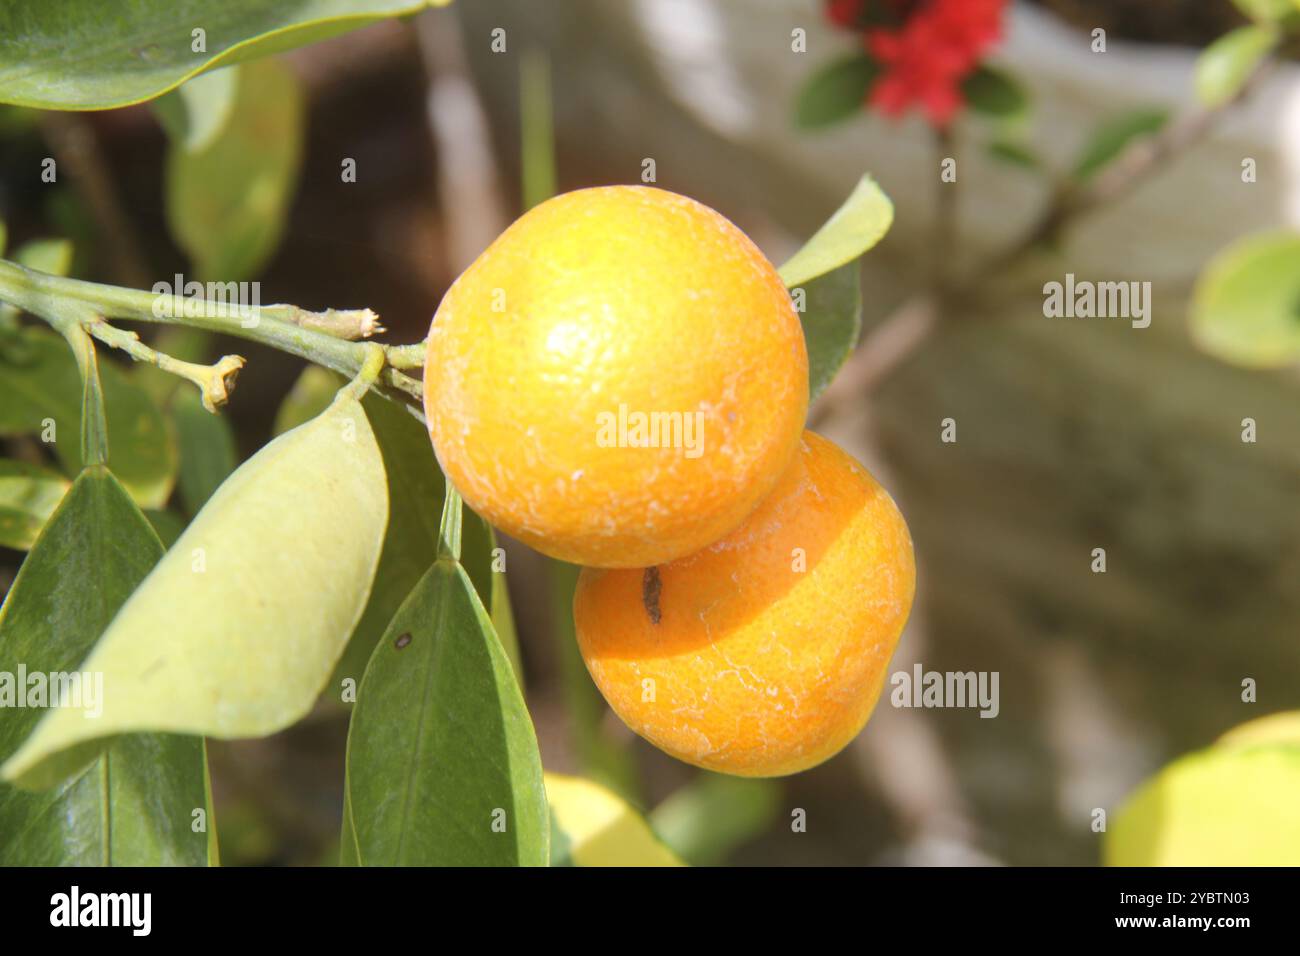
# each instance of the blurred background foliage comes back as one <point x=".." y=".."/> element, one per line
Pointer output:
<point x="368" y="169"/>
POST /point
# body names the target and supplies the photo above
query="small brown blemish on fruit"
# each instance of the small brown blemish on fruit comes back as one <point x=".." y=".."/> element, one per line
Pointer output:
<point x="402" y="641"/>
<point x="650" y="588"/>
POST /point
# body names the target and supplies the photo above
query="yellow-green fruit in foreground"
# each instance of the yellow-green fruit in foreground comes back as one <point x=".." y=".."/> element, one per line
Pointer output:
<point x="763" y="654"/>
<point x="618" y="380"/>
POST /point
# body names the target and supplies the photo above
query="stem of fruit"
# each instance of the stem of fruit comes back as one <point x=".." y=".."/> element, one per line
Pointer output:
<point x="94" y="423"/>
<point x="320" y="337"/>
<point x="368" y="374"/>
<point x="449" y="531"/>
<point x="70" y="318"/>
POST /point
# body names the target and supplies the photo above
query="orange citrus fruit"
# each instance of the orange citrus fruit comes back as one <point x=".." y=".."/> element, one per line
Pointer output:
<point x="618" y="380"/>
<point x="763" y="654"/>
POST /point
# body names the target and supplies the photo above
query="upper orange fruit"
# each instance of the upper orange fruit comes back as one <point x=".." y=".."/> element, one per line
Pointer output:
<point x="765" y="653"/>
<point x="618" y="380"/>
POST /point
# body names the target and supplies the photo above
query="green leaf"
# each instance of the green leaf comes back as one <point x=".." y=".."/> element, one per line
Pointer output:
<point x="1269" y="11"/>
<point x="415" y="492"/>
<point x="835" y="92"/>
<point x="1224" y="66"/>
<point x="85" y="54"/>
<point x="46" y="255"/>
<point x="349" y="852"/>
<point x="484" y="562"/>
<point x="443" y="767"/>
<point x="537" y="128"/>
<point x="854" y="228"/>
<point x="167" y="524"/>
<point x="1246" y="305"/>
<point x="310" y="395"/>
<point x="134" y="806"/>
<point x="28" y="496"/>
<point x="134" y="803"/>
<point x="602" y="755"/>
<point x="1015" y="154"/>
<point x="195" y="113"/>
<point x="226" y="203"/>
<point x="832" y="322"/>
<point x="40" y="384"/>
<point x="713" y="815"/>
<point x="995" y="93"/>
<point x="93" y="552"/>
<point x="1113" y="136"/>
<point x="207" y="448"/>
<point x="592" y="826"/>
<point x="269" y="581"/>
<point x="1225" y="806"/>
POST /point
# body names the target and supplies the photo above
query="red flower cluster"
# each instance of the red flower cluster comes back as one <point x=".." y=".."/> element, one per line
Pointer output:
<point x="925" y="48"/>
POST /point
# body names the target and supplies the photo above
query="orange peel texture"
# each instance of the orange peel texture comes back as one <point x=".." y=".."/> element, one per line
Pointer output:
<point x="550" y="357"/>
<point x="765" y="653"/>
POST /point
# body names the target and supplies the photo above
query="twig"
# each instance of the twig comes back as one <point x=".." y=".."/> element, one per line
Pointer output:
<point x="1139" y="161"/>
<point x="901" y="335"/>
<point x="213" y="381"/>
<point x="61" y="301"/>
<point x="885" y="347"/>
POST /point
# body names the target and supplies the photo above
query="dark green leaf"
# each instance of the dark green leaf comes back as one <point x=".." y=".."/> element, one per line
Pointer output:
<point x="86" y="54"/>
<point x="1246" y="304"/>
<point x="443" y="767"/>
<point x="207" y="448"/>
<point x="1015" y="154"/>
<point x="134" y="804"/>
<point x="168" y="524"/>
<point x="226" y="203"/>
<point x="28" y="496"/>
<point x="40" y="384"/>
<point x="349" y="854"/>
<point x="835" y="92"/>
<point x="484" y="562"/>
<point x="1224" y="66"/>
<point x="1113" y="136"/>
<point x="602" y="755"/>
<point x="995" y="93"/>
<point x="832" y="322"/>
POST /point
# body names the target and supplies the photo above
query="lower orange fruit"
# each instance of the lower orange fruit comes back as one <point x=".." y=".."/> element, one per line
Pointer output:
<point x="765" y="653"/>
